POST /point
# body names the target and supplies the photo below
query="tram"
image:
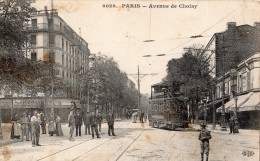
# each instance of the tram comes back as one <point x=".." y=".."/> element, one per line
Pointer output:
<point x="168" y="107"/>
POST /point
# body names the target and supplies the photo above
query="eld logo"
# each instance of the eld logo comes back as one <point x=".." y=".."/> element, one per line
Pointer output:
<point x="248" y="153"/>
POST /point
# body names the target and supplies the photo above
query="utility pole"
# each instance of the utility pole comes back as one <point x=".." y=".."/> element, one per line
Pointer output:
<point x="51" y="53"/>
<point x="139" y="76"/>
<point x="223" y="116"/>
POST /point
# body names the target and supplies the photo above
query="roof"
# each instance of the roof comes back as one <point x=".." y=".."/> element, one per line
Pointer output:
<point x="160" y="84"/>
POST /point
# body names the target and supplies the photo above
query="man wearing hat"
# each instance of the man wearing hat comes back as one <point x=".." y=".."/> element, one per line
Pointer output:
<point x="110" y="122"/>
<point x="99" y="119"/>
<point x="24" y="121"/>
<point x="78" y="123"/>
<point x="93" y="124"/>
<point x="204" y="137"/>
<point x="71" y="120"/>
<point x="87" y="123"/>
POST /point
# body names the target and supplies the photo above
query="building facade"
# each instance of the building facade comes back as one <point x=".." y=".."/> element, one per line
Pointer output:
<point x="235" y="44"/>
<point x="235" y="61"/>
<point x="51" y="39"/>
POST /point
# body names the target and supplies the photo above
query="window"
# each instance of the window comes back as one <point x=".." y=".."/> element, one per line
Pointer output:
<point x="34" y="22"/>
<point x="51" y="40"/>
<point x="34" y="56"/>
<point x="62" y="61"/>
<point x="66" y="46"/>
<point x="67" y="61"/>
<point x="248" y="79"/>
<point x="62" y="43"/>
<point x="33" y="40"/>
<point x="60" y="26"/>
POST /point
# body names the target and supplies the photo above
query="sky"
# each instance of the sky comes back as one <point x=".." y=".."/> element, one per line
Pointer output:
<point x="120" y="32"/>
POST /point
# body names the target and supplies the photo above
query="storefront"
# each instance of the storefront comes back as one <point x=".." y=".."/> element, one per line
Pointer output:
<point x="10" y="106"/>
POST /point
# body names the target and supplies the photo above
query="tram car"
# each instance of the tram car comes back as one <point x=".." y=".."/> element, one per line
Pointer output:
<point x="168" y="107"/>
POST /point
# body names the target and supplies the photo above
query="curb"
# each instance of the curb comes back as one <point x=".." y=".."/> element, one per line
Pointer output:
<point x="4" y="143"/>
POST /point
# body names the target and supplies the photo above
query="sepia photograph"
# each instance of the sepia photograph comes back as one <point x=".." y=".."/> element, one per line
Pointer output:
<point x="129" y="80"/>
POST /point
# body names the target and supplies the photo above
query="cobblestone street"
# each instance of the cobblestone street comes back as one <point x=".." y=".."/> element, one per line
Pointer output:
<point x="136" y="142"/>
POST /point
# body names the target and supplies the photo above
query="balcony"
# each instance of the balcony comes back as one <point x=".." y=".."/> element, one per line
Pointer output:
<point x="63" y="30"/>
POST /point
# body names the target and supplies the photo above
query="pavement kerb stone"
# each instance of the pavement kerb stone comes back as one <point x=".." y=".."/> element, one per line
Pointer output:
<point x="7" y="142"/>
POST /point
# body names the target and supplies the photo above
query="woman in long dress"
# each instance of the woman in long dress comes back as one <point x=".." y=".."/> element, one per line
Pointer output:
<point x="58" y="126"/>
<point x="51" y="126"/>
<point x="16" y="127"/>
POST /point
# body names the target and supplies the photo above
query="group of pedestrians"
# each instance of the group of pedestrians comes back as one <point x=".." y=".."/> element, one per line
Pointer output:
<point x="29" y="127"/>
<point x="92" y="123"/>
<point x="141" y="116"/>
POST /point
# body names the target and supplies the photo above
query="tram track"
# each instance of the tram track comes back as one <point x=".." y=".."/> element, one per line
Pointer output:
<point x="60" y="151"/>
<point x="109" y="141"/>
<point x="130" y="145"/>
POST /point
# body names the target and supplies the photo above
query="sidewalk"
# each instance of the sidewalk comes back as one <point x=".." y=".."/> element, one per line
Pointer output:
<point x="218" y="129"/>
<point x="6" y="131"/>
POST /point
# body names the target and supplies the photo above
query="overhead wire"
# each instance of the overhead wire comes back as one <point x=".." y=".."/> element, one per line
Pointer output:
<point x="191" y="39"/>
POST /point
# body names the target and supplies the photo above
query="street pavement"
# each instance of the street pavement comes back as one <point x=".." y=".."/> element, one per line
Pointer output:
<point x="136" y="142"/>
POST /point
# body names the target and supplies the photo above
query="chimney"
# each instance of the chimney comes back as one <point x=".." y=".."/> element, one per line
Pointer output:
<point x="257" y="25"/>
<point x="231" y="25"/>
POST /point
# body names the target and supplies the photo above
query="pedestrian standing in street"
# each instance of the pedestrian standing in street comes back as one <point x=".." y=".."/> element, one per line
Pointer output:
<point x="231" y="124"/>
<point x="78" y="123"/>
<point x="93" y="124"/>
<point x="29" y="127"/>
<point x="134" y="116"/>
<point x="71" y="120"/>
<point x="142" y="117"/>
<point x="51" y="126"/>
<point x="110" y="122"/>
<point x="25" y="127"/>
<point x="43" y="124"/>
<point x="99" y="119"/>
<point x="87" y="123"/>
<point x="16" y="127"/>
<point x="58" y="126"/>
<point x="35" y="123"/>
<point x="204" y="137"/>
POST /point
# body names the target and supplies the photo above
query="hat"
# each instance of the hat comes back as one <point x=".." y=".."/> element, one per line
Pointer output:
<point x="203" y="124"/>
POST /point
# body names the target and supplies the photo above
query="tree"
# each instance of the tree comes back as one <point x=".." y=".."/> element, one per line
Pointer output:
<point x="15" y="68"/>
<point x="107" y="85"/>
<point x="192" y="73"/>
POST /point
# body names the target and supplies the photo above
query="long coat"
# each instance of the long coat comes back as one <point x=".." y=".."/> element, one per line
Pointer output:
<point x="51" y="124"/>
<point x="110" y="119"/>
<point x="78" y="120"/>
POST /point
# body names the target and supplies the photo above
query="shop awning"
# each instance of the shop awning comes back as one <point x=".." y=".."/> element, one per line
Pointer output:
<point x="230" y="105"/>
<point x="252" y="104"/>
<point x="214" y="102"/>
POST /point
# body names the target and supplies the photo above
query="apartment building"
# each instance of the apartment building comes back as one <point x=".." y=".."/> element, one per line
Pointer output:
<point x="52" y="40"/>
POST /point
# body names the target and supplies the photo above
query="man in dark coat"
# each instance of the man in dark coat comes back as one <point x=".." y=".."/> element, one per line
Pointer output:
<point x="87" y="123"/>
<point x="43" y="124"/>
<point x="78" y="123"/>
<point x="99" y="119"/>
<point x="231" y="124"/>
<point x="93" y="124"/>
<point x="110" y="122"/>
